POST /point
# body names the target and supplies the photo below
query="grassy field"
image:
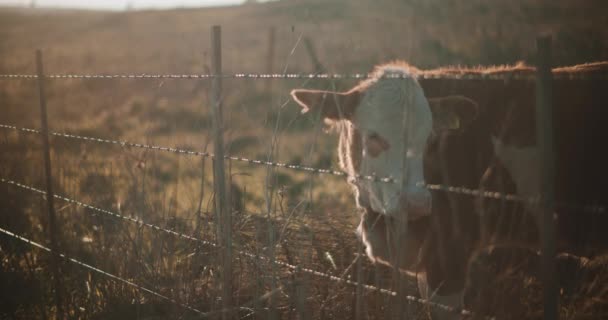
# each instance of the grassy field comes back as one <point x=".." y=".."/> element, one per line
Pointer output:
<point x="312" y="218"/>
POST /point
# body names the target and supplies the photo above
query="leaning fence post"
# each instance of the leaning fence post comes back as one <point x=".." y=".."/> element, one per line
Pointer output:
<point x="544" y="134"/>
<point x="50" y="196"/>
<point x="222" y="211"/>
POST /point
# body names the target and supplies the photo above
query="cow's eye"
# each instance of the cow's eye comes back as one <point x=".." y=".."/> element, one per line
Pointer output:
<point x="376" y="144"/>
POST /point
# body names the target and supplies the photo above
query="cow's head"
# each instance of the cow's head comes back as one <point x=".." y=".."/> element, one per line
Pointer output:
<point x="377" y="111"/>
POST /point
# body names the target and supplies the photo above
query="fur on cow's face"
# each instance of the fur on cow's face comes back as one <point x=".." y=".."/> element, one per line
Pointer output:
<point x="386" y="108"/>
<point x="378" y="109"/>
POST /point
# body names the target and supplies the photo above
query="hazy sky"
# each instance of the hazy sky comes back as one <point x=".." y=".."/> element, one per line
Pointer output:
<point x="119" y="4"/>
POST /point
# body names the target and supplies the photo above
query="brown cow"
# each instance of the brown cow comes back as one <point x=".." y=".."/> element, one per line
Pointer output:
<point x="468" y="133"/>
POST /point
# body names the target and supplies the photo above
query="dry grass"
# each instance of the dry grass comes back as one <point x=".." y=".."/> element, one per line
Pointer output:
<point x="313" y="216"/>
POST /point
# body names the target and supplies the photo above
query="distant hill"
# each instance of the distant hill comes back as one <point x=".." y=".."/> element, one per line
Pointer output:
<point x="348" y="35"/>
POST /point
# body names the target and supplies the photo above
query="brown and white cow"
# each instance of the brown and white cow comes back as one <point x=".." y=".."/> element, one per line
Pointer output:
<point x="469" y="133"/>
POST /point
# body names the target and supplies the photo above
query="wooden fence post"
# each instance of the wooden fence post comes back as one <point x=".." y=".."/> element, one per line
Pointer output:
<point x="270" y="57"/>
<point x="50" y="195"/>
<point x="222" y="210"/>
<point x="544" y="134"/>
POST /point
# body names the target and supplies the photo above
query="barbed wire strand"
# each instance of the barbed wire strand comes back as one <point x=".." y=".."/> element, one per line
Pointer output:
<point x="533" y="200"/>
<point x="202" y="154"/>
<point x="505" y="76"/>
<point x="450" y="309"/>
<point x="107" y="274"/>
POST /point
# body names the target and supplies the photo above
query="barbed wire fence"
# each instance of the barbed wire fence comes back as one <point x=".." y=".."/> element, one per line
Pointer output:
<point x="496" y="195"/>
<point x="226" y="245"/>
<point x="498" y="76"/>
<point x="296" y="268"/>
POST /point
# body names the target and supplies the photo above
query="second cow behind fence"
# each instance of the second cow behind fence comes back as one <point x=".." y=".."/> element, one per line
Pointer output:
<point x="477" y="134"/>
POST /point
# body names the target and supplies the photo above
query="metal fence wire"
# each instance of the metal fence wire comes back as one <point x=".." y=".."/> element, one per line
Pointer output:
<point x="498" y="76"/>
<point x="489" y="194"/>
<point x="246" y="254"/>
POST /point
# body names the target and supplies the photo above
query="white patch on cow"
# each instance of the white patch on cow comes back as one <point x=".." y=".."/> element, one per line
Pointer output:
<point x="524" y="166"/>
<point x="381" y="112"/>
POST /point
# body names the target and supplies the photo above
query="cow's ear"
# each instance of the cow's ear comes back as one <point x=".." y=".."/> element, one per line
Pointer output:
<point x="453" y="112"/>
<point x="331" y="105"/>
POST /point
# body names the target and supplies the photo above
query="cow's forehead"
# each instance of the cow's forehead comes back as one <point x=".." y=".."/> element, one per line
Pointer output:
<point x="382" y="101"/>
<point x="378" y="112"/>
<point x="384" y="105"/>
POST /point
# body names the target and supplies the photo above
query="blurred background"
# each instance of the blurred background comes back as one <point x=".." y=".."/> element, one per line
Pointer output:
<point x="301" y="218"/>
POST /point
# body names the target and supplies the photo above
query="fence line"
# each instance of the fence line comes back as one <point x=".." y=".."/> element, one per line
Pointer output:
<point x="533" y="200"/>
<point x="107" y="274"/>
<point x="459" y="311"/>
<point x="328" y="76"/>
<point x="526" y="75"/>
